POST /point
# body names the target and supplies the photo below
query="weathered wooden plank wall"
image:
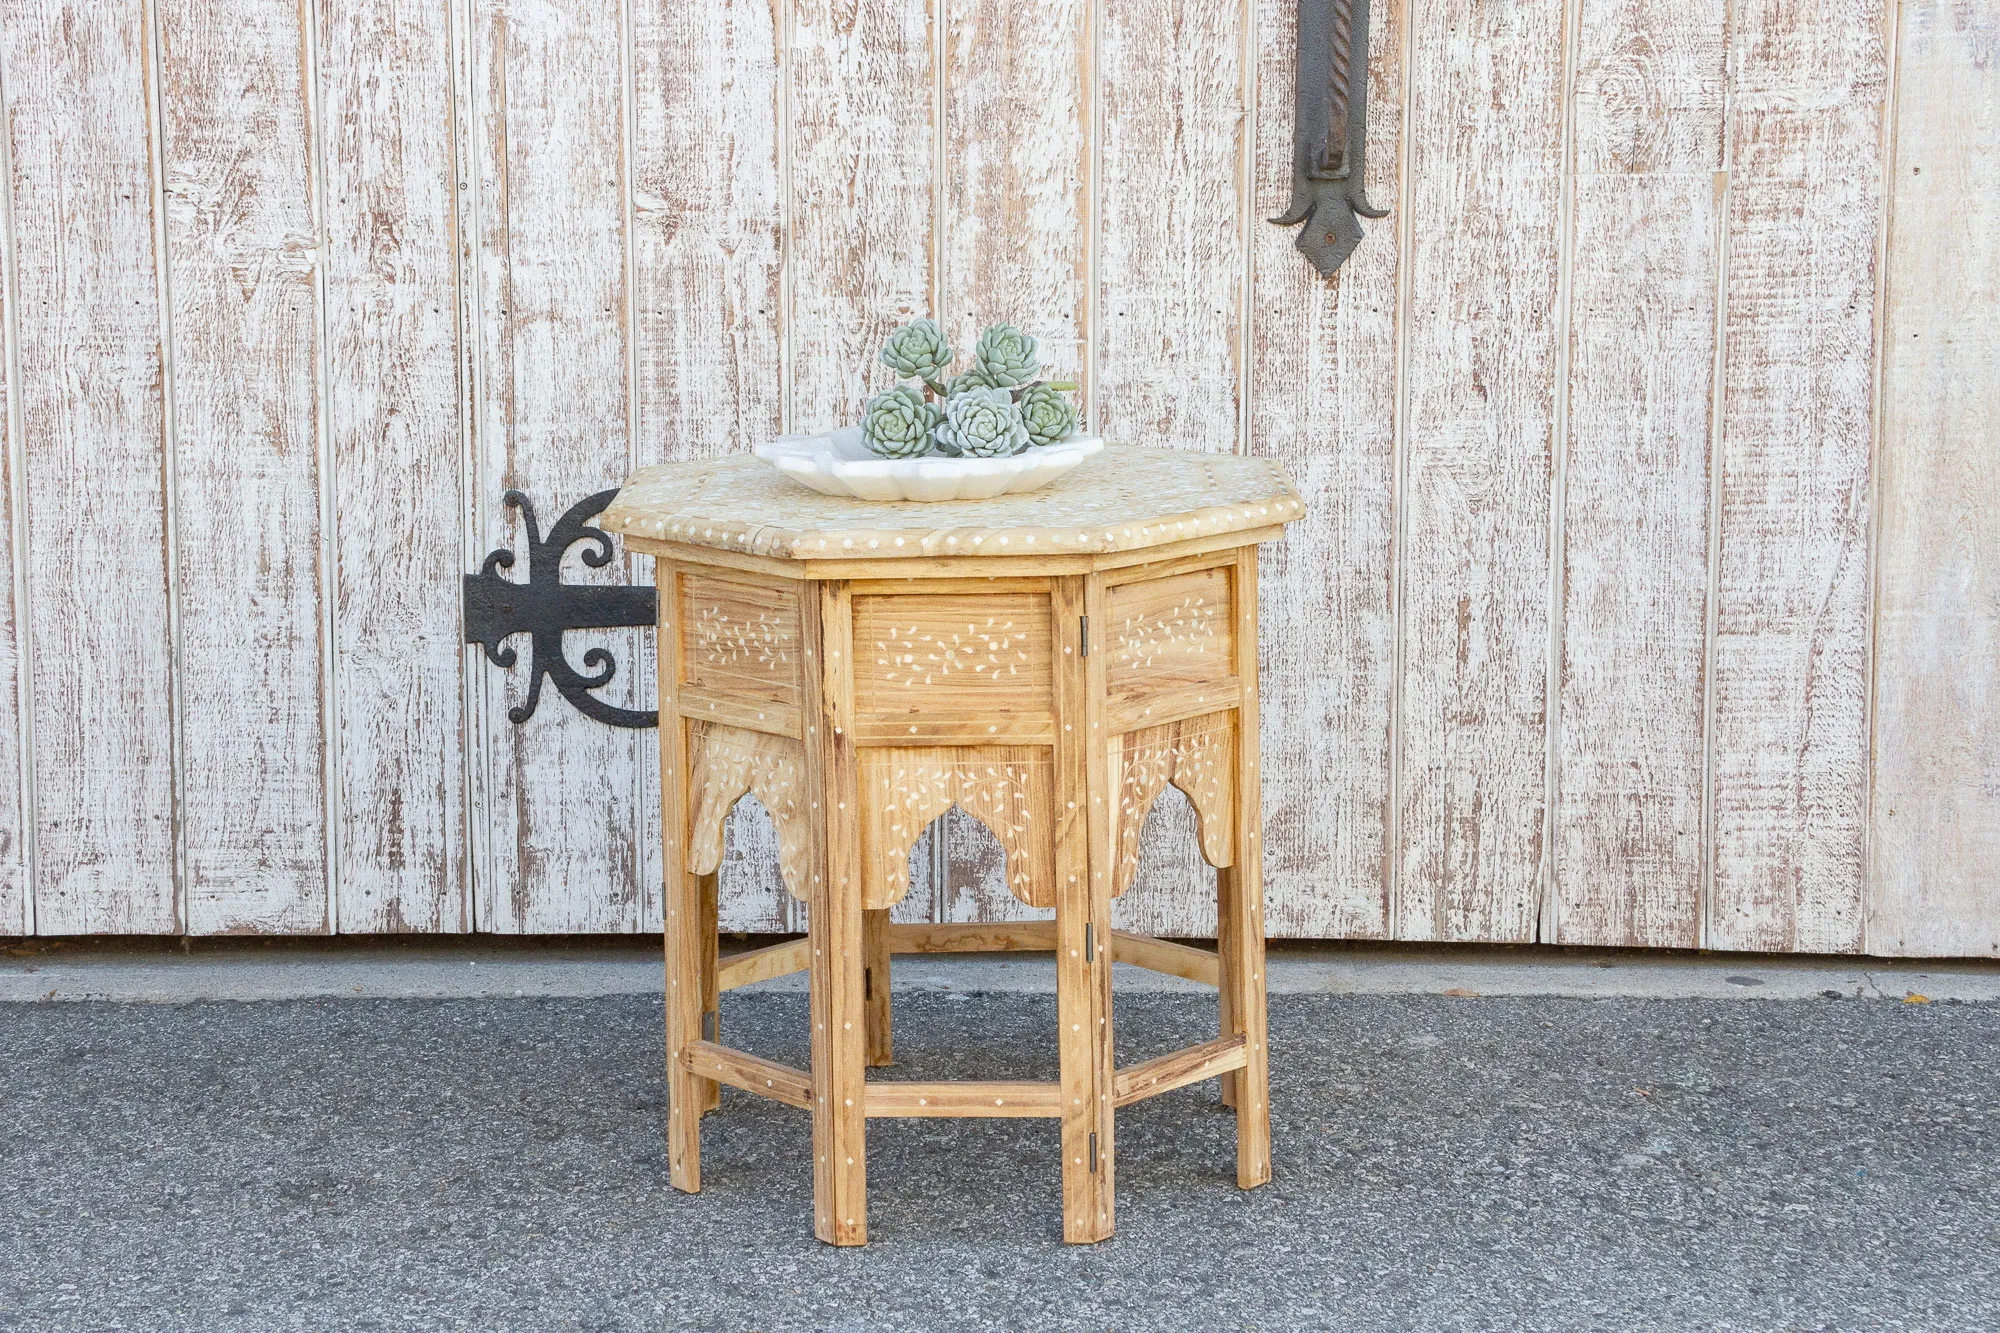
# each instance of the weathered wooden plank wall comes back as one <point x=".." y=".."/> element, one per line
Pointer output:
<point x="95" y="532"/>
<point x="1012" y="221"/>
<point x="397" y="458"/>
<point x="1643" y="233"/>
<point x="1936" y="814"/>
<point x="708" y="246"/>
<point x="1482" y="326"/>
<point x="1650" y="477"/>
<point x="16" y="771"/>
<point x="1324" y="365"/>
<point x="244" y="328"/>
<point x="1804" y="139"/>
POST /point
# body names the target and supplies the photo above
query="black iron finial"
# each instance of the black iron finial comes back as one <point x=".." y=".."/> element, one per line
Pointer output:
<point x="1331" y="133"/>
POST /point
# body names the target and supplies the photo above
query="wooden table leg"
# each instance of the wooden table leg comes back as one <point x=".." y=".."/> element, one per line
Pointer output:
<point x="1083" y="864"/>
<point x="1223" y="949"/>
<point x="834" y="927"/>
<point x="1243" y="983"/>
<point x="687" y="1095"/>
<point x="875" y="987"/>
<point x="1240" y="906"/>
<point x="1083" y="1012"/>
<point x="711" y="982"/>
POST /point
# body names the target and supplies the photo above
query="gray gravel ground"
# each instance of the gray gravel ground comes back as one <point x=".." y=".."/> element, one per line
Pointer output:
<point x="1442" y="1164"/>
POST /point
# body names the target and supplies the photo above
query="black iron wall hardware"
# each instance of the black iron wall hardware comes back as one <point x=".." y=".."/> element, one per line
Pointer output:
<point x="545" y="606"/>
<point x="1331" y="133"/>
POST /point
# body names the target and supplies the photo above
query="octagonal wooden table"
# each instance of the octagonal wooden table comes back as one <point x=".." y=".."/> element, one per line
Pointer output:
<point x="1046" y="662"/>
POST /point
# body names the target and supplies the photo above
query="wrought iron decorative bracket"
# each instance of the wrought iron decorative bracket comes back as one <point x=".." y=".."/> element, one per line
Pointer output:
<point x="1331" y="133"/>
<point x="545" y="606"/>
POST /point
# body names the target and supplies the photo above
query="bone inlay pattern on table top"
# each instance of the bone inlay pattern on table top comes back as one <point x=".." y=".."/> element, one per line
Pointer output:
<point x="741" y="638"/>
<point x="929" y="652"/>
<point x="1170" y="631"/>
<point x="726" y="763"/>
<point x="1197" y="755"/>
<point x="1123" y="499"/>
<point x="1009" y="789"/>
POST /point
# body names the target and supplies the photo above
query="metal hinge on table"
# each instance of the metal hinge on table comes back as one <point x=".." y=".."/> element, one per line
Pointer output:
<point x="1089" y="942"/>
<point x="1084" y="634"/>
<point x="1093" y="1153"/>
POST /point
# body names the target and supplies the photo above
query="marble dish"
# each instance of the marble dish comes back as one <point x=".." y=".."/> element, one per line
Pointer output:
<point x="838" y="463"/>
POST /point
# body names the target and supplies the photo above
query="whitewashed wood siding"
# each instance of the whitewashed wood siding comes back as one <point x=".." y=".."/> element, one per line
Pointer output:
<point x="1649" y="593"/>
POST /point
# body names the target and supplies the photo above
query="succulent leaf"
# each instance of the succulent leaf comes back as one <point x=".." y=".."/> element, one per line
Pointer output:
<point x="920" y="349"/>
<point x="1005" y="356"/>
<point x="1048" y="413"/>
<point x="898" y="423"/>
<point x="982" y="423"/>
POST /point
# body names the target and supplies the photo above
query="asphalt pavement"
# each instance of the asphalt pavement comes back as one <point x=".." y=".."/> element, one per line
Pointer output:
<point x="1442" y="1162"/>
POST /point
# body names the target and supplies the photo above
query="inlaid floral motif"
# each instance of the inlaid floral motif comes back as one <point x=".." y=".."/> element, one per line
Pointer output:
<point x="764" y="641"/>
<point x="725" y="764"/>
<point x="992" y="648"/>
<point x="1183" y="633"/>
<point x="1197" y="756"/>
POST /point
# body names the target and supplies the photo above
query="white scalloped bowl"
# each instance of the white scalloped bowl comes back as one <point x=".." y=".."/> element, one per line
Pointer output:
<point x="840" y="464"/>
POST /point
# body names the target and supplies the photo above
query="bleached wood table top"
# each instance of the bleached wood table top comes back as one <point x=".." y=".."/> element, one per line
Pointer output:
<point x="1123" y="499"/>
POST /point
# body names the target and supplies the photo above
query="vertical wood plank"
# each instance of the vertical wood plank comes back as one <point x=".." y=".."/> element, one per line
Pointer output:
<point x="862" y="172"/>
<point x="1170" y="260"/>
<point x="708" y="230"/>
<point x="1485" y="159"/>
<point x="242" y="230"/>
<point x="1012" y="249"/>
<point x="1014" y="157"/>
<point x="398" y="446"/>
<point x="1630" y="759"/>
<point x="1322" y="378"/>
<point x="1169" y="299"/>
<point x="861" y="200"/>
<point x="16" y="760"/>
<point x="1936" y="816"/>
<point x="1790" y="743"/>
<point x="79" y="91"/>
<point x="548" y="145"/>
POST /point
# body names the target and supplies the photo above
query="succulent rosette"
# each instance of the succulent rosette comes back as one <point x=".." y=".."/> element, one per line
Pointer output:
<point x="982" y="423"/>
<point x="898" y="423"/>
<point x="1048" y="414"/>
<point x="919" y="349"/>
<point x="1005" y="357"/>
<point x="971" y="379"/>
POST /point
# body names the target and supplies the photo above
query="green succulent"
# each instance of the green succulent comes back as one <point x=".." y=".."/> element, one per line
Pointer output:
<point x="898" y="423"/>
<point x="971" y="379"/>
<point x="1005" y="356"/>
<point x="1048" y="413"/>
<point x="982" y="423"/>
<point x="919" y="348"/>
